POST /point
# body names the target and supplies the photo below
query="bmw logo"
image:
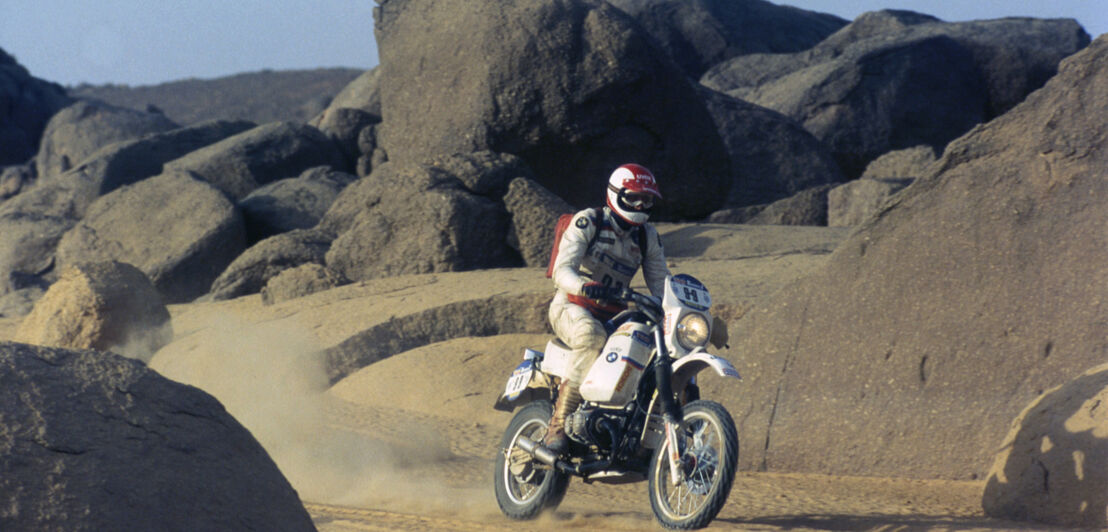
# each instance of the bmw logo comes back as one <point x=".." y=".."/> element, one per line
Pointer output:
<point x="612" y="357"/>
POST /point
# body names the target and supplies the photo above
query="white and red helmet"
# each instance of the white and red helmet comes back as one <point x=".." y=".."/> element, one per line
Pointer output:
<point x="632" y="192"/>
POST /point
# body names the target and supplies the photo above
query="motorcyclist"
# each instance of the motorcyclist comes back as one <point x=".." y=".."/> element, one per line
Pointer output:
<point x="598" y="255"/>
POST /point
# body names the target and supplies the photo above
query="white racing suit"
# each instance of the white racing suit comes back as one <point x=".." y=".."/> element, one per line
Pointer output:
<point x="612" y="260"/>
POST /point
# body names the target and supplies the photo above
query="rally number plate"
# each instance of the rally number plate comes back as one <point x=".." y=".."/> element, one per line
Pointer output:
<point x="519" y="380"/>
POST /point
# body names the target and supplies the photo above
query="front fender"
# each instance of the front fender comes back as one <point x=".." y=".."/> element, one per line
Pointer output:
<point x="685" y="370"/>
<point x="687" y="367"/>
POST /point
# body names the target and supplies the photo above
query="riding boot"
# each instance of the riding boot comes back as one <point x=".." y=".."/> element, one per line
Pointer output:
<point x="569" y="398"/>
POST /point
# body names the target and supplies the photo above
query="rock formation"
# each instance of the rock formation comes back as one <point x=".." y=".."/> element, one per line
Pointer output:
<point x="292" y="203"/>
<point x="576" y="89"/>
<point x="1053" y="465"/>
<point x="534" y="212"/>
<point x="698" y="34"/>
<point x="860" y="88"/>
<point x="94" y="441"/>
<point x="26" y="105"/>
<point x="239" y="164"/>
<point x="772" y="156"/>
<point x="300" y="281"/>
<point x="79" y="130"/>
<point x="945" y="313"/>
<point x="180" y="231"/>
<point x="419" y="219"/>
<point x="107" y="306"/>
<point x="251" y="270"/>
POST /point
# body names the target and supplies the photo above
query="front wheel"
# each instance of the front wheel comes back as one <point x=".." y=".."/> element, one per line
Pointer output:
<point x="525" y="486"/>
<point x="709" y="449"/>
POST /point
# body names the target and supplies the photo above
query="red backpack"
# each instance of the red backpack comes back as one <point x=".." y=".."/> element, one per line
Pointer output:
<point x="559" y="228"/>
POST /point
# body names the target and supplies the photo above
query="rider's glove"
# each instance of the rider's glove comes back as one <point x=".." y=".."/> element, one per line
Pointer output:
<point x="595" y="290"/>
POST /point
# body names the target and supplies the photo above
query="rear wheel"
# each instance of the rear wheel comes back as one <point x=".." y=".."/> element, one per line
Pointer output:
<point x="524" y="486"/>
<point x="709" y="451"/>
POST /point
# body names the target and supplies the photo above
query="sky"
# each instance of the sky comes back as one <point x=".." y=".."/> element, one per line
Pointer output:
<point x="145" y="42"/>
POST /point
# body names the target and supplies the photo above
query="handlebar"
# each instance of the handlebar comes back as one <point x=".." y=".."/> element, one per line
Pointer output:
<point x="627" y="295"/>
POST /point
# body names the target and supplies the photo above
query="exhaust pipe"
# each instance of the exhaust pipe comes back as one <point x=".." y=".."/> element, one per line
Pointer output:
<point x="539" y="451"/>
<point x="543" y="454"/>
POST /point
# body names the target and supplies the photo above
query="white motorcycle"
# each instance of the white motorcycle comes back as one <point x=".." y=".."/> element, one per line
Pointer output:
<point x="641" y="417"/>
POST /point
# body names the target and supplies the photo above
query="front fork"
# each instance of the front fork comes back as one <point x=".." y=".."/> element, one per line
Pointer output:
<point x="671" y="411"/>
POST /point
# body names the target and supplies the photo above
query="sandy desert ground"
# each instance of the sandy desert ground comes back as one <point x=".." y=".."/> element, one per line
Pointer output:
<point x="407" y="443"/>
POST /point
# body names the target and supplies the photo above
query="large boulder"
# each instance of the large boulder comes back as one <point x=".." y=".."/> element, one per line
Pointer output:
<point x="292" y="203"/>
<point x="485" y="173"/>
<point x="407" y="218"/>
<point x="886" y="23"/>
<point x="355" y="109"/>
<point x="107" y="306"/>
<point x="26" y="105"/>
<point x="65" y="196"/>
<point x="344" y="126"/>
<point x="371" y="155"/>
<point x="751" y="70"/>
<point x="27" y="244"/>
<point x="33" y="222"/>
<point x="122" y="163"/>
<point x="93" y="441"/>
<point x="534" y="211"/>
<point x="772" y="156"/>
<point x="937" y="320"/>
<point x="130" y="161"/>
<point x="575" y="89"/>
<point x="880" y="96"/>
<point x="300" y="281"/>
<point x="996" y="62"/>
<point x="180" y="231"/>
<point x="807" y="207"/>
<point x="14" y="179"/>
<point x="700" y="33"/>
<point x="853" y="203"/>
<point x="1053" y="465"/>
<point x="239" y="164"/>
<point x="81" y="129"/>
<point x="251" y="270"/>
<point x="908" y="163"/>
<point x="362" y="94"/>
<point x="1014" y="55"/>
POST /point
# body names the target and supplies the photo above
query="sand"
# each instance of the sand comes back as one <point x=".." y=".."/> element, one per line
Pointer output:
<point x="407" y="443"/>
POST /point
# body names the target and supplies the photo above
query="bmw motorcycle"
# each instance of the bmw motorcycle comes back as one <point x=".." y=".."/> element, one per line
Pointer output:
<point x="641" y="417"/>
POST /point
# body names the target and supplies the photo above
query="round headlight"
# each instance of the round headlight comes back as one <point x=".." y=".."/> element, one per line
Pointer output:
<point x="693" y="331"/>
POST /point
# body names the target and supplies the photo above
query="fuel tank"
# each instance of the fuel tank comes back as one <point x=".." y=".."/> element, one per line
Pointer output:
<point x="614" y="376"/>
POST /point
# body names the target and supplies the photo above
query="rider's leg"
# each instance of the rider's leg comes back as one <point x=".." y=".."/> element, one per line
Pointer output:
<point x="585" y="336"/>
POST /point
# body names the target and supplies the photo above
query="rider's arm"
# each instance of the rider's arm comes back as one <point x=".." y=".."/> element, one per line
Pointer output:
<point x="575" y="242"/>
<point x="654" y="269"/>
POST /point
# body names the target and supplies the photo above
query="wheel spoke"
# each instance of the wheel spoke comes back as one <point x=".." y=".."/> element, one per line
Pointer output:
<point x="698" y="434"/>
<point x="523" y="479"/>
<point x="701" y="446"/>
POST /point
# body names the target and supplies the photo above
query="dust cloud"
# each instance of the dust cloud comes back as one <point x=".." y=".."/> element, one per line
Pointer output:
<point x="271" y="378"/>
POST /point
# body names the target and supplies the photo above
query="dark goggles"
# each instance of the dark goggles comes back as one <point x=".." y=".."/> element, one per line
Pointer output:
<point x="639" y="201"/>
